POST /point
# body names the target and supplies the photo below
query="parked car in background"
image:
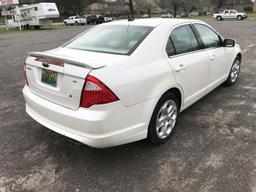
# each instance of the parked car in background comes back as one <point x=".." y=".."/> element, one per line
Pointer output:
<point x="230" y="14"/>
<point x="100" y="19"/>
<point x="110" y="86"/>
<point x="168" y="15"/>
<point x="145" y="16"/>
<point x="108" y="19"/>
<point x="182" y="15"/>
<point x="194" y="13"/>
<point x="75" y="20"/>
<point x="91" y="19"/>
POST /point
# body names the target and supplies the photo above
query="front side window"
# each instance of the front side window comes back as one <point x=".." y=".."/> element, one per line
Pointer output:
<point x="209" y="37"/>
<point x="113" y="39"/>
<point x="184" y="40"/>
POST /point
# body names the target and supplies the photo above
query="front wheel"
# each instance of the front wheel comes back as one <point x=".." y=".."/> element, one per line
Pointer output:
<point x="164" y="119"/>
<point x="234" y="72"/>
<point x="239" y="17"/>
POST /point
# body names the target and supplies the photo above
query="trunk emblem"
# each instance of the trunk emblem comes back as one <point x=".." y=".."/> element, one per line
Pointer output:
<point x="46" y="65"/>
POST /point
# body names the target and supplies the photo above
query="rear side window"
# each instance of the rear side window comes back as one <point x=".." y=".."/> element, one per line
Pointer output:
<point x="184" y="40"/>
<point x="169" y="48"/>
<point x="209" y="37"/>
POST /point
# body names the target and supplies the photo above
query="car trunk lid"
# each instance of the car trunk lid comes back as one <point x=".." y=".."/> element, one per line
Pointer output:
<point x="58" y="75"/>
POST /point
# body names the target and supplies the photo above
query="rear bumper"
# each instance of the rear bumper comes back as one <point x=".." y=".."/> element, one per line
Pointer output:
<point x="99" y="126"/>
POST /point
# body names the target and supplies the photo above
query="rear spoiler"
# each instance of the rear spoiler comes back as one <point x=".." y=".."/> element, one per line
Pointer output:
<point x="65" y="60"/>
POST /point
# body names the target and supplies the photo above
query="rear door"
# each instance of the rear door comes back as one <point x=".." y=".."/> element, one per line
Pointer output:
<point x="233" y="14"/>
<point x="226" y="14"/>
<point x="189" y="63"/>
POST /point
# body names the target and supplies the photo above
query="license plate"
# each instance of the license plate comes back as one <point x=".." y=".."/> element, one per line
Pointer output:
<point x="49" y="77"/>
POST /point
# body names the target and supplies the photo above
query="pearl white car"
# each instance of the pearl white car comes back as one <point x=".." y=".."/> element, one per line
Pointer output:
<point x="124" y="81"/>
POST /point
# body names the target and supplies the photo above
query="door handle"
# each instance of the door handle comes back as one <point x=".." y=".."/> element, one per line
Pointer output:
<point x="180" y="68"/>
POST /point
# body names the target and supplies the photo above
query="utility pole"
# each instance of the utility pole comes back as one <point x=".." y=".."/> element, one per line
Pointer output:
<point x="131" y="17"/>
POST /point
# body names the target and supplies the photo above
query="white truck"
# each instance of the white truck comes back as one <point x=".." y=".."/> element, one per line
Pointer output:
<point x="230" y="14"/>
<point x="75" y="20"/>
<point x="34" y="15"/>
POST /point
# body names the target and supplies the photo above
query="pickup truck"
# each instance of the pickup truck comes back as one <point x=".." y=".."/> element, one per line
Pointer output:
<point x="75" y="20"/>
<point x="230" y="14"/>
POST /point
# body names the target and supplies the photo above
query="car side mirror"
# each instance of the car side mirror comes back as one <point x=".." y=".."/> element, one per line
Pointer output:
<point x="229" y="43"/>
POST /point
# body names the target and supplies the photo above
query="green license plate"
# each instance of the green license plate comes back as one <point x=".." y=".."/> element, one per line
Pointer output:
<point x="49" y="77"/>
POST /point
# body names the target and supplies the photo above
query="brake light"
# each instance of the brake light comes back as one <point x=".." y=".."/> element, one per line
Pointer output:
<point x="25" y="76"/>
<point x="95" y="92"/>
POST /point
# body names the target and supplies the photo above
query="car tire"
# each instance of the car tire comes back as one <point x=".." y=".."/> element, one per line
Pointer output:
<point x="76" y="23"/>
<point x="66" y="24"/>
<point x="239" y="17"/>
<point x="219" y="18"/>
<point x="163" y="120"/>
<point x="234" y="72"/>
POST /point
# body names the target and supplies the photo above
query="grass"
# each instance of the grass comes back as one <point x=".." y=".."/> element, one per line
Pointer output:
<point x="14" y="30"/>
<point x="252" y="16"/>
<point x="200" y="17"/>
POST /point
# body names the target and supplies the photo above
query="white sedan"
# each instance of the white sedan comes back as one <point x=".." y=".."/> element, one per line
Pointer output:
<point x="126" y="81"/>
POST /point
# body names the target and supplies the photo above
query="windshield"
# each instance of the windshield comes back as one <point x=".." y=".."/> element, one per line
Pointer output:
<point x="113" y="39"/>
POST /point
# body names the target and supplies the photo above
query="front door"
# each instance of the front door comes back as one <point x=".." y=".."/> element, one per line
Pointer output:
<point x="219" y="65"/>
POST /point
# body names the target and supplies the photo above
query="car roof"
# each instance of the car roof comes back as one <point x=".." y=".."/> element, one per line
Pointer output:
<point x="152" y="22"/>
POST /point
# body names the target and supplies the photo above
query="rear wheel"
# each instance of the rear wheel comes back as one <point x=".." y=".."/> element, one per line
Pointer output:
<point x="219" y="18"/>
<point x="76" y="23"/>
<point x="164" y="119"/>
<point x="65" y="23"/>
<point x="234" y="72"/>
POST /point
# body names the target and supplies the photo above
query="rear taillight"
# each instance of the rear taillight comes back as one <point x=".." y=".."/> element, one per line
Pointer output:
<point x="95" y="92"/>
<point x="25" y="76"/>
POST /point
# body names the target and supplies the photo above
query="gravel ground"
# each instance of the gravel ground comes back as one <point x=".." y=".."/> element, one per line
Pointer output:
<point x="212" y="149"/>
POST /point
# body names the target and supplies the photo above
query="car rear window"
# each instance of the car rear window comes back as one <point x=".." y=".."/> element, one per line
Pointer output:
<point x="112" y="39"/>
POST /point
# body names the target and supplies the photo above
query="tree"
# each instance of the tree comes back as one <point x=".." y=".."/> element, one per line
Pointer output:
<point x="218" y="3"/>
<point x="173" y="5"/>
<point x="146" y="5"/>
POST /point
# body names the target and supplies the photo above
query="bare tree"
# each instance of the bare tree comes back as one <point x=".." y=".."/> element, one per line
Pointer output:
<point x="146" y="5"/>
<point x="173" y="5"/>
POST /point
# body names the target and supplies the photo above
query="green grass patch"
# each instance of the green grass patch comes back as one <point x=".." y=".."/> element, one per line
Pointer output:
<point x="50" y="27"/>
<point x="203" y="17"/>
<point x="252" y="16"/>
